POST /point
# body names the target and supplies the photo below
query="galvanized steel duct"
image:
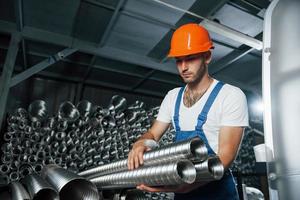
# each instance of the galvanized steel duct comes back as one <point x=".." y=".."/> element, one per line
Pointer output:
<point x="18" y="192"/>
<point x="193" y="149"/>
<point x="68" y="112"/>
<point x="210" y="169"/>
<point x="177" y="172"/>
<point x="69" y="185"/>
<point x="39" y="189"/>
<point x="38" y="110"/>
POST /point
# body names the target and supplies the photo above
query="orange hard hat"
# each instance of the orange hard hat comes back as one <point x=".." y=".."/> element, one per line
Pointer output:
<point x="190" y="39"/>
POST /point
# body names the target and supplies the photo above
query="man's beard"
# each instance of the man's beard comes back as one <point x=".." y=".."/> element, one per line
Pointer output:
<point x="198" y="77"/>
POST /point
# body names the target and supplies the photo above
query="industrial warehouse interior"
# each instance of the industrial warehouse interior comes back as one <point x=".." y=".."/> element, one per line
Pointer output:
<point x="82" y="80"/>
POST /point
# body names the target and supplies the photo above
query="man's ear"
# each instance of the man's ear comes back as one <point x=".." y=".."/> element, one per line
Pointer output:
<point x="208" y="57"/>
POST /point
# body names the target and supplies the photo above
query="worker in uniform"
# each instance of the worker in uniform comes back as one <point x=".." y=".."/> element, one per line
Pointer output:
<point x="204" y="107"/>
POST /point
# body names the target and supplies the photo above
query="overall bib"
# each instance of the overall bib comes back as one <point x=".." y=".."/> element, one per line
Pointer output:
<point x="223" y="189"/>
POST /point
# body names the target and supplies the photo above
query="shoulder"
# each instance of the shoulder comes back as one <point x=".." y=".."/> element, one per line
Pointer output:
<point x="230" y="93"/>
<point x="173" y="93"/>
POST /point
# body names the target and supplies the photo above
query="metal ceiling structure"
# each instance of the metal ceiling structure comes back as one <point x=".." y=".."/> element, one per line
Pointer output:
<point x="123" y="43"/>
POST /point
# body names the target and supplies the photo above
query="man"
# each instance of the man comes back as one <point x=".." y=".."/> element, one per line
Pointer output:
<point x="205" y="107"/>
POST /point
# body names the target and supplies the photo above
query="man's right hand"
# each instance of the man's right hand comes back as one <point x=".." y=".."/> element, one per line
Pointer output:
<point x="135" y="156"/>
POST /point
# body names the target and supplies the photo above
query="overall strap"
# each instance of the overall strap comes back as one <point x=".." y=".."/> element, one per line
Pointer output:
<point x="203" y="115"/>
<point x="177" y="106"/>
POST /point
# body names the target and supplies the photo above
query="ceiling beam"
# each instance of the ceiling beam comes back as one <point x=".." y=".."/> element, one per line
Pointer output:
<point x="41" y="66"/>
<point x="239" y="84"/>
<point x="96" y="83"/>
<point x="230" y="58"/>
<point x="217" y="7"/>
<point x="150" y="19"/>
<point x="105" y="68"/>
<point x="133" y="14"/>
<point x="112" y="22"/>
<point x="7" y="73"/>
<point x="149" y="74"/>
<point x="227" y="60"/>
<point x="40" y="35"/>
<point x="20" y="24"/>
<point x="245" y="10"/>
<point x="88" y="47"/>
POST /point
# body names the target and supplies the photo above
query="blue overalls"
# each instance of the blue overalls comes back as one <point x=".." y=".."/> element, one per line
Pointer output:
<point x="223" y="189"/>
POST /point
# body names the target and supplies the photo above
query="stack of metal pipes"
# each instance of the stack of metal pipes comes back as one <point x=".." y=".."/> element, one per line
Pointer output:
<point x="75" y="138"/>
<point x="54" y="183"/>
<point x="179" y="163"/>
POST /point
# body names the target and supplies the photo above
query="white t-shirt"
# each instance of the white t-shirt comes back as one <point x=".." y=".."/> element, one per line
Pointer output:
<point x="229" y="109"/>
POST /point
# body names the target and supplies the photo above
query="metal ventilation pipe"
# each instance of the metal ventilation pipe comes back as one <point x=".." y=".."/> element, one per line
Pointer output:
<point x="193" y="149"/>
<point x="177" y="172"/>
<point x="119" y="103"/>
<point x="85" y="108"/>
<point x="210" y="169"/>
<point x="38" y="110"/>
<point x="18" y="192"/>
<point x="69" y="185"/>
<point x="39" y="189"/>
<point x="68" y="112"/>
<point x="4" y="169"/>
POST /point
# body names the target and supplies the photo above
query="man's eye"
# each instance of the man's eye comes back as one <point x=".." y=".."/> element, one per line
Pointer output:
<point x="190" y="59"/>
<point x="178" y="61"/>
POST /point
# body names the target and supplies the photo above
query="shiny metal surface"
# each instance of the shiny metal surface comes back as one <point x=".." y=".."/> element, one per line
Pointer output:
<point x="209" y="170"/>
<point x="69" y="185"/>
<point x="98" y="136"/>
<point x="85" y="108"/>
<point x="68" y="112"/>
<point x="38" y="110"/>
<point x="14" y="176"/>
<point x="281" y="81"/>
<point x="119" y="103"/>
<point x="39" y="189"/>
<point x="193" y="149"/>
<point x="18" y="192"/>
<point x="173" y="173"/>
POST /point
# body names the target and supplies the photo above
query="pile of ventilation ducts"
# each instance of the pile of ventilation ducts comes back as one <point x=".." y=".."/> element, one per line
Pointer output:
<point x="76" y="137"/>
<point x="245" y="160"/>
<point x="183" y="162"/>
<point x="54" y="183"/>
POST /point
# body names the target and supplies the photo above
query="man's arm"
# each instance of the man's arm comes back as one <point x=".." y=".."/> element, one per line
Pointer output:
<point x="135" y="156"/>
<point x="229" y="141"/>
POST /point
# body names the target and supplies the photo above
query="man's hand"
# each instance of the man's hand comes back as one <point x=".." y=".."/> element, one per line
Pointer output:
<point x="135" y="156"/>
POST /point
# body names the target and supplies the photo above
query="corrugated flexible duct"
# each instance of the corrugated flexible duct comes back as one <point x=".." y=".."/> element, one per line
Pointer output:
<point x="193" y="149"/>
<point x="69" y="185"/>
<point x="174" y="173"/>
<point x="39" y="189"/>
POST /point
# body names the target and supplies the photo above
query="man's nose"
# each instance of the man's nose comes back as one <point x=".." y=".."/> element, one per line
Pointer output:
<point x="184" y="65"/>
